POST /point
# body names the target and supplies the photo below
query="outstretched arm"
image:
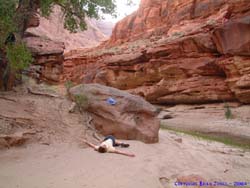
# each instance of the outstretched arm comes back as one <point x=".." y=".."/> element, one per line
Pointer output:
<point x="124" y="153"/>
<point x="89" y="144"/>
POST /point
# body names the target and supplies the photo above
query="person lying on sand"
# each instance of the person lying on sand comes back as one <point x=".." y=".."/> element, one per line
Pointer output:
<point x="108" y="145"/>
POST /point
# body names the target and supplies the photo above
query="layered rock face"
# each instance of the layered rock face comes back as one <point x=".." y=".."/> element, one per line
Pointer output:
<point x="48" y="57"/>
<point x="48" y="40"/>
<point x="158" y="16"/>
<point x="126" y="116"/>
<point x="174" y="52"/>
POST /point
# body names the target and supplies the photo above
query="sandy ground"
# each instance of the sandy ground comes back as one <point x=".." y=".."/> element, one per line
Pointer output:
<point x="41" y="119"/>
<point x="64" y="166"/>
<point x="55" y="157"/>
<point x="210" y="119"/>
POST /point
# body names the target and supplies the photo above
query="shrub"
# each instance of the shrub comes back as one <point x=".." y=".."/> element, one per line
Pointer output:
<point x="68" y="84"/>
<point x="18" y="56"/>
<point x="178" y="34"/>
<point x="81" y="102"/>
<point x="228" y="112"/>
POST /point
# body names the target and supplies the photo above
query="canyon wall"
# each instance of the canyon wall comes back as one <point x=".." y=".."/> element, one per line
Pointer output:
<point x="53" y="28"/>
<point x="47" y="39"/>
<point x="156" y="17"/>
<point x="173" y="51"/>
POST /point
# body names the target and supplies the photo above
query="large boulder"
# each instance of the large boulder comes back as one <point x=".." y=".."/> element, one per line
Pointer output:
<point x="131" y="117"/>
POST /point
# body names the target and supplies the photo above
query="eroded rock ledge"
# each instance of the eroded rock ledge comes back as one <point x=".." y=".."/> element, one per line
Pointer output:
<point x="173" y="52"/>
<point x="48" y="57"/>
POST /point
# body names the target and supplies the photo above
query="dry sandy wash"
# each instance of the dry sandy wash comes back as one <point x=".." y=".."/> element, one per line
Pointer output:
<point x="155" y="166"/>
<point x="55" y="156"/>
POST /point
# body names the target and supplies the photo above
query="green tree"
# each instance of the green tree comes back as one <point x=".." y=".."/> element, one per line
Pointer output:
<point x="76" y="10"/>
<point x="16" y="16"/>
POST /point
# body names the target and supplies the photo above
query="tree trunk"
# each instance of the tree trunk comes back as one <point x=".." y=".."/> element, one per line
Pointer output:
<point x="1" y="68"/>
<point x="25" y="17"/>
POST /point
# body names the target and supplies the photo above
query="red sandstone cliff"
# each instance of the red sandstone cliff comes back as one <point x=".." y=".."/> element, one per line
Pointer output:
<point x="48" y="40"/>
<point x="156" y="17"/>
<point x="174" y="51"/>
